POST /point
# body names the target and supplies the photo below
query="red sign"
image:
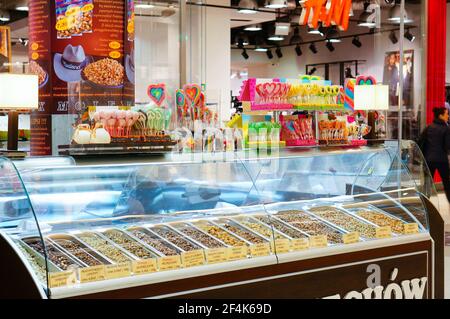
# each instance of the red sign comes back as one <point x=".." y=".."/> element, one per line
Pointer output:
<point x="329" y="12"/>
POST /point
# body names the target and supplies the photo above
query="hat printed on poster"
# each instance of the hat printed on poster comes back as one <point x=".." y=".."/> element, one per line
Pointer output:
<point x="68" y="66"/>
<point x="129" y="67"/>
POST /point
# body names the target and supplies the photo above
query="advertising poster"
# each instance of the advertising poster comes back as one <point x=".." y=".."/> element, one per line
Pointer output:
<point x="391" y="77"/>
<point x="82" y="51"/>
<point x="5" y="49"/>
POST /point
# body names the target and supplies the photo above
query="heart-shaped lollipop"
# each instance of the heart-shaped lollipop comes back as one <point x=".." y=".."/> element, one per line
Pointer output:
<point x="192" y="92"/>
<point x="157" y="92"/>
<point x="180" y="98"/>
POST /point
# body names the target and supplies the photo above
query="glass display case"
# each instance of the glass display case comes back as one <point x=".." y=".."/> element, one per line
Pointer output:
<point x="142" y="230"/>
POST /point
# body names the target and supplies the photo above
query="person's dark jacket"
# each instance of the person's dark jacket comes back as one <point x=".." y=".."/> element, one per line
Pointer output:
<point x="435" y="141"/>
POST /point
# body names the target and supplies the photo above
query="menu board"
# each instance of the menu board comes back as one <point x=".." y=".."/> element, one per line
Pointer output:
<point x="83" y="52"/>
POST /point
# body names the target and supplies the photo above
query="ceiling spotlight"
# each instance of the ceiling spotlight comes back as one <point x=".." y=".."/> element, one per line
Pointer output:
<point x="296" y="38"/>
<point x="260" y="49"/>
<point x="4" y="16"/>
<point x="330" y="46"/>
<point x="298" y="50"/>
<point x="244" y="54"/>
<point x="333" y="36"/>
<point x="356" y="42"/>
<point x="276" y="4"/>
<point x="279" y="53"/>
<point x="312" y="71"/>
<point x="22" y="8"/>
<point x="393" y="37"/>
<point x="247" y="7"/>
<point x="269" y="54"/>
<point x="395" y="14"/>
<point x="313" y="48"/>
<point x="408" y="35"/>
<point x="253" y="27"/>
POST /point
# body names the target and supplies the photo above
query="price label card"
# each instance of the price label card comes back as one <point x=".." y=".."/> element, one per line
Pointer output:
<point x="350" y="238"/>
<point x="216" y="255"/>
<point x="412" y="228"/>
<point x="260" y="250"/>
<point x="383" y="232"/>
<point x="117" y="270"/>
<point x="144" y="266"/>
<point x="318" y="241"/>
<point x="193" y="258"/>
<point x="238" y="252"/>
<point x="169" y="262"/>
<point x="282" y="245"/>
<point x="90" y="274"/>
<point x="62" y="279"/>
<point x="300" y="243"/>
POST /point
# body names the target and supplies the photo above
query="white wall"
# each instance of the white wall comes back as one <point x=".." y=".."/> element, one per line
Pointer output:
<point x="156" y="53"/>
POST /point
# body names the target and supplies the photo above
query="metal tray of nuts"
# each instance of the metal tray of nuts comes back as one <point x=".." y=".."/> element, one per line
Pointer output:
<point x="39" y="257"/>
<point x="216" y="231"/>
<point x="311" y="225"/>
<point x="104" y="246"/>
<point x="286" y="229"/>
<point x="240" y="231"/>
<point x="187" y="231"/>
<point x="76" y="249"/>
<point x="343" y="219"/>
<point x="258" y="227"/>
<point x="156" y="242"/>
<point x="129" y="243"/>
<point x="60" y="259"/>
<point x="396" y="223"/>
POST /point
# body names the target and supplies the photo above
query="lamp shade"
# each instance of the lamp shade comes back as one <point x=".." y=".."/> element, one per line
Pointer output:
<point x="372" y="97"/>
<point x="19" y="91"/>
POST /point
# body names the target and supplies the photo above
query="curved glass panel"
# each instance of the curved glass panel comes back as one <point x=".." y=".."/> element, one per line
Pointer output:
<point x="18" y="222"/>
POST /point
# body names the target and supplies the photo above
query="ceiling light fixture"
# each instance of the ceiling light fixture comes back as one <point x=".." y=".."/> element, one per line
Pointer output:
<point x="330" y="46"/>
<point x="408" y="35"/>
<point x="395" y="14"/>
<point x="247" y="7"/>
<point x="296" y="38"/>
<point x="393" y="37"/>
<point x="253" y="27"/>
<point x="22" y="8"/>
<point x="275" y="37"/>
<point x="279" y="53"/>
<point x="4" y="16"/>
<point x="333" y="36"/>
<point x="312" y="71"/>
<point x="276" y="4"/>
<point x="260" y="49"/>
<point x="365" y="18"/>
<point x="356" y="42"/>
<point x="298" y="50"/>
<point x="245" y="54"/>
<point x="313" y="48"/>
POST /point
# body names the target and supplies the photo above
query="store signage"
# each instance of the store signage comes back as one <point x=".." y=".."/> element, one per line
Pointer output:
<point x="406" y="289"/>
<point x="328" y="12"/>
